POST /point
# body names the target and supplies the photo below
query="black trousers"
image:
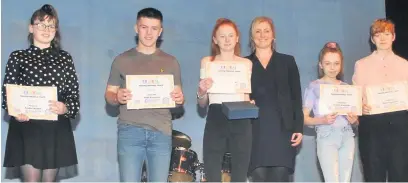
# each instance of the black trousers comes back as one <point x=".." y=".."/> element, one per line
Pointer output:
<point x="222" y="135"/>
<point x="270" y="174"/>
<point x="383" y="145"/>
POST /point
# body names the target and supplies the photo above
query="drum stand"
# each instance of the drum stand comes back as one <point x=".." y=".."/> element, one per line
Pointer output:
<point x="200" y="167"/>
<point x="226" y="168"/>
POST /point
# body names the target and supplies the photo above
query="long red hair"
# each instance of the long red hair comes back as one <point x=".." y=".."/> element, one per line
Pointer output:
<point x="215" y="49"/>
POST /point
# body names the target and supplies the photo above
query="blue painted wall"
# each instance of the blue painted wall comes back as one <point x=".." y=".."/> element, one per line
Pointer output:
<point x="95" y="31"/>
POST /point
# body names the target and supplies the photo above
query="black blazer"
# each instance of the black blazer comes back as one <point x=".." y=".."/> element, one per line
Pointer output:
<point x="289" y="90"/>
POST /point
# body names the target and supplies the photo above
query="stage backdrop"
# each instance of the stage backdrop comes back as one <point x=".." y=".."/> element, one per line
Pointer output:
<point x="95" y="31"/>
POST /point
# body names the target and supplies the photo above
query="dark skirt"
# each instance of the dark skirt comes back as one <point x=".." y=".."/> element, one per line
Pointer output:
<point x="42" y="144"/>
<point x="271" y="145"/>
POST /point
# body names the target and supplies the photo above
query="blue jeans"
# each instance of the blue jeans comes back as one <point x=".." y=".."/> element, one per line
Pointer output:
<point x="335" y="151"/>
<point x="136" y="144"/>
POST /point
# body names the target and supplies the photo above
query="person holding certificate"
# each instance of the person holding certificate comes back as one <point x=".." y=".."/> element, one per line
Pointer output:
<point x="383" y="129"/>
<point x="38" y="147"/>
<point x="335" y="137"/>
<point x="276" y="91"/>
<point x="219" y="130"/>
<point x="144" y="82"/>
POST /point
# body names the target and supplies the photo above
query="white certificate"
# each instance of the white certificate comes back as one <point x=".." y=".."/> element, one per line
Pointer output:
<point x="388" y="97"/>
<point x="228" y="77"/>
<point x="341" y="99"/>
<point x="150" y="91"/>
<point x="32" y="101"/>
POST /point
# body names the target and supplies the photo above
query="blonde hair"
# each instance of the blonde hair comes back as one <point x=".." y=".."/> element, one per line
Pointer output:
<point x="258" y="20"/>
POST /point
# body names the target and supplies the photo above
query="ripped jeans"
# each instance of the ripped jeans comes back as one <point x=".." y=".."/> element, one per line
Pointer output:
<point x="335" y="151"/>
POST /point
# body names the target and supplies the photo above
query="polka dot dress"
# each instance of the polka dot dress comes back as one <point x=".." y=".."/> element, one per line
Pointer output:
<point x="43" y="144"/>
<point x="36" y="67"/>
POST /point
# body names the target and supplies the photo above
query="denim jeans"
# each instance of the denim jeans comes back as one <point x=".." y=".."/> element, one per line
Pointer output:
<point x="135" y="145"/>
<point x="335" y="151"/>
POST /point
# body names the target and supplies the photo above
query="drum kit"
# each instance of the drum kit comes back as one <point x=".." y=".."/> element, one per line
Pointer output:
<point x="184" y="162"/>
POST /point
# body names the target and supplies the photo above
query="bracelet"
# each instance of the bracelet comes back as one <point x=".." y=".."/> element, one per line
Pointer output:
<point x="200" y="97"/>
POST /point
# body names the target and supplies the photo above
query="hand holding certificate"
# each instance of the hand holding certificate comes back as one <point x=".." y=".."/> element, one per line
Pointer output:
<point x="340" y="99"/>
<point x="150" y="91"/>
<point x="228" y="77"/>
<point x="32" y="101"/>
<point x="388" y="97"/>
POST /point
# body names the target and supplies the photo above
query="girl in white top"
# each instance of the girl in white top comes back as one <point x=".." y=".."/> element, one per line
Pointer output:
<point x="220" y="131"/>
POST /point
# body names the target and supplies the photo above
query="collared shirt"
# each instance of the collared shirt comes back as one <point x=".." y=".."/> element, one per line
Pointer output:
<point x="374" y="70"/>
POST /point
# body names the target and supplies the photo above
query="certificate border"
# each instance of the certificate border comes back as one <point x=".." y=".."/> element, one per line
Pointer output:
<point x="11" y="93"/>
<point x="369" y="97"/>
<point x="208" y="71"/>
<point x="131" y="105"/>
<point x="358" y="97"/>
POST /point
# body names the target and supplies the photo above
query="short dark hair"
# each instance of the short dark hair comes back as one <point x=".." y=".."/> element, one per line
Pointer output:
<point x="150" y="13"/>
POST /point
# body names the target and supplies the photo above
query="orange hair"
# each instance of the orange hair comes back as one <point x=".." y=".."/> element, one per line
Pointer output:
<point x="215" y="49"/>
<point x="382" y="25"/>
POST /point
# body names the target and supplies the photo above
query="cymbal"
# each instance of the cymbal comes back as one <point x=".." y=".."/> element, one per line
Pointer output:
<point x="180" y="139"/>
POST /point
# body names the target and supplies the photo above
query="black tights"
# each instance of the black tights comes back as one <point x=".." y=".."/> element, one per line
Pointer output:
<point x="270" y="174"/>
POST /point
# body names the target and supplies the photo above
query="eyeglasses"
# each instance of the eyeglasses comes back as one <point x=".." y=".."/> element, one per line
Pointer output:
<point x="42" y="27"/>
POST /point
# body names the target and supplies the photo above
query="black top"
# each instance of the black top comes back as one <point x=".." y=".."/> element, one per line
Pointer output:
<point x="264" y="90"/>
<point x="287" y="89"/>
<point x="44" y="67"/>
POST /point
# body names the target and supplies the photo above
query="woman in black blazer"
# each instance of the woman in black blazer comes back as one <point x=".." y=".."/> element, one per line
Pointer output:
<point x="276" y="91"/>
